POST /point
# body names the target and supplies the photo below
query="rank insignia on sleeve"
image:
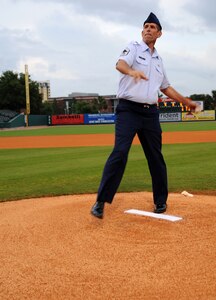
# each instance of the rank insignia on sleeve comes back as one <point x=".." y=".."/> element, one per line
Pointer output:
<point x="125" y="52"/>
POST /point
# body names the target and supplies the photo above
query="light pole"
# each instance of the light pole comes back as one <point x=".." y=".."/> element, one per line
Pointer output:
<point x="27" y="94"/>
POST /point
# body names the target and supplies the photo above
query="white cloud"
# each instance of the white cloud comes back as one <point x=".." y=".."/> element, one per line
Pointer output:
<point x="75" y="44"/>
<point x="204" y="10"/>
<point x="38" y="66"/>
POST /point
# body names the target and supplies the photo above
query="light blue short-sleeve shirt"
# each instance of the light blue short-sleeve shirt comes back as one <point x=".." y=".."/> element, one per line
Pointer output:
<point x="138" y="56"/>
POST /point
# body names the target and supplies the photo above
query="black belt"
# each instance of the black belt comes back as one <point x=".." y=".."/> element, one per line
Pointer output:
<point x="138" y="104"/>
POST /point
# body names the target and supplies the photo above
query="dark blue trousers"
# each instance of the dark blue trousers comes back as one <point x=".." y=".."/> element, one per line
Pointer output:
<point x="131" y="119"/>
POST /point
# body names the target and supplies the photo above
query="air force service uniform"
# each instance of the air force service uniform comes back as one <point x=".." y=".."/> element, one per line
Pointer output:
<point x="138" y="56"/>
<point x="137" y="113"/>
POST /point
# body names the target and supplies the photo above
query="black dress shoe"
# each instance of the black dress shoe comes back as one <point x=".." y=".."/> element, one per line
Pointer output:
<point x="160" y="208"/>
<point x="97" y="209"/>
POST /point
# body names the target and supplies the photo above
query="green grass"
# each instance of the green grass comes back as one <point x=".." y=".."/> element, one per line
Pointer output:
<point x="61" y="130"/>
<point x="189" y="126"/>
<point x="29" y="173"/>
<point x="95" y="129"/>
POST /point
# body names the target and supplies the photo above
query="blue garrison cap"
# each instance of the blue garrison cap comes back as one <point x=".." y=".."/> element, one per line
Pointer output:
<point x="153" y="19"/>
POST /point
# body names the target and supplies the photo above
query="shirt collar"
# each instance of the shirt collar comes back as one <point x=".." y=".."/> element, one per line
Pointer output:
<point x="145" y="47"/>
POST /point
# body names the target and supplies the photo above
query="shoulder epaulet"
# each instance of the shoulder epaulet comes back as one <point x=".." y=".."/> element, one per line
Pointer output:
<point x="131" y="46"/>
<point x="135" y="43"/>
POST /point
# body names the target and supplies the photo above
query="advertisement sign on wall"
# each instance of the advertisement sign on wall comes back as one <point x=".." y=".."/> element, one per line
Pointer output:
<point x="99" y="118"/>
<point x="67" y="119"/>
<point x="205" y="115"/>
<point x="74" y="119"/>
<point x="170" y="117"/>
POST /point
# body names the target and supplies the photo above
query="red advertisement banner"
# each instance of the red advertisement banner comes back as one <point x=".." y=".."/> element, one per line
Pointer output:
<point x="67" y="119"/>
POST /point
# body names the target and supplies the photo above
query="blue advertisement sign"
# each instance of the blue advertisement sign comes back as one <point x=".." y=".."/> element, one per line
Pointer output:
<point x="99" y="118"/>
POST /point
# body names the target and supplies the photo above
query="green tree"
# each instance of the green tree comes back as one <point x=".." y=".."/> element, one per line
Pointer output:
<point x="214" y="98"/>
<point x="82" y="107"/>
<point x="12" y="93"/>
<point x="58" y="107"/>
<point x="88" y="107"/>
<point x="99" y="104"/>
<point x="71" y="105"/>
<point x="47" y="108"/>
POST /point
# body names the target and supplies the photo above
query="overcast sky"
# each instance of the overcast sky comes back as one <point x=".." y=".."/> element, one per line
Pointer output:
<point x="75" y="43"/>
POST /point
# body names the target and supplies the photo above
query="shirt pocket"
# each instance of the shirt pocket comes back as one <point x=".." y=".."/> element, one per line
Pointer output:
<point x="141" y="64"/>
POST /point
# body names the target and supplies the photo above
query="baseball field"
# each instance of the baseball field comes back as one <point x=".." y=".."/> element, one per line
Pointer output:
<point x="52" y="248"/>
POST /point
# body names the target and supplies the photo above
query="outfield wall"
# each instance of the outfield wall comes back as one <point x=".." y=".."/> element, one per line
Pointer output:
<point x="88" y="119"/>
<point x="85" y="119"/>
<point x="20" y="121"/>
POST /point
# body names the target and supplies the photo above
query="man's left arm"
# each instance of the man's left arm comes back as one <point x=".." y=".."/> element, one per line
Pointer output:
<point x="170" y="92"/>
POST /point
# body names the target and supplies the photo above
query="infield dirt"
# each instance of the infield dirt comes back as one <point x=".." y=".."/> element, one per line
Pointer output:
<point x="99" y="140"/>
<point x="54" y="249"/>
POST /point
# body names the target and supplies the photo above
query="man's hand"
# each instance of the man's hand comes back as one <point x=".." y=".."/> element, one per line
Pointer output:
<point x="123" y="67"/>
<point x="173" y="94"/>
<point x="137" y="75"/>
<point x="193" y="106"/>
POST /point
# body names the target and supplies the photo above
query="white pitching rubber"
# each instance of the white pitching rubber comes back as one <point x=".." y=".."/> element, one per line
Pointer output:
<point x="153" y="215"/>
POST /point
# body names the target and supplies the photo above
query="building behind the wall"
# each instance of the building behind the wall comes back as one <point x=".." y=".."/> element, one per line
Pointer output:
<point x="111" y="101"/>
<point x="44" y="90"/>
<point x="164" y="104"/>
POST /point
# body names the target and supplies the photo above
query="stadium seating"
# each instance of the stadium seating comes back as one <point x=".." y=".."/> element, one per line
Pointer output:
<point x="7" y="115"/>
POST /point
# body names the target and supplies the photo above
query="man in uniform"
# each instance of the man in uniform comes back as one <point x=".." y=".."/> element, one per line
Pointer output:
<point x="142" y="75"/>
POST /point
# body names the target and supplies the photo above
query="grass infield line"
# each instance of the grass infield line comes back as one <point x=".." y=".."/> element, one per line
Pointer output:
<point x="95" y="129"/>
